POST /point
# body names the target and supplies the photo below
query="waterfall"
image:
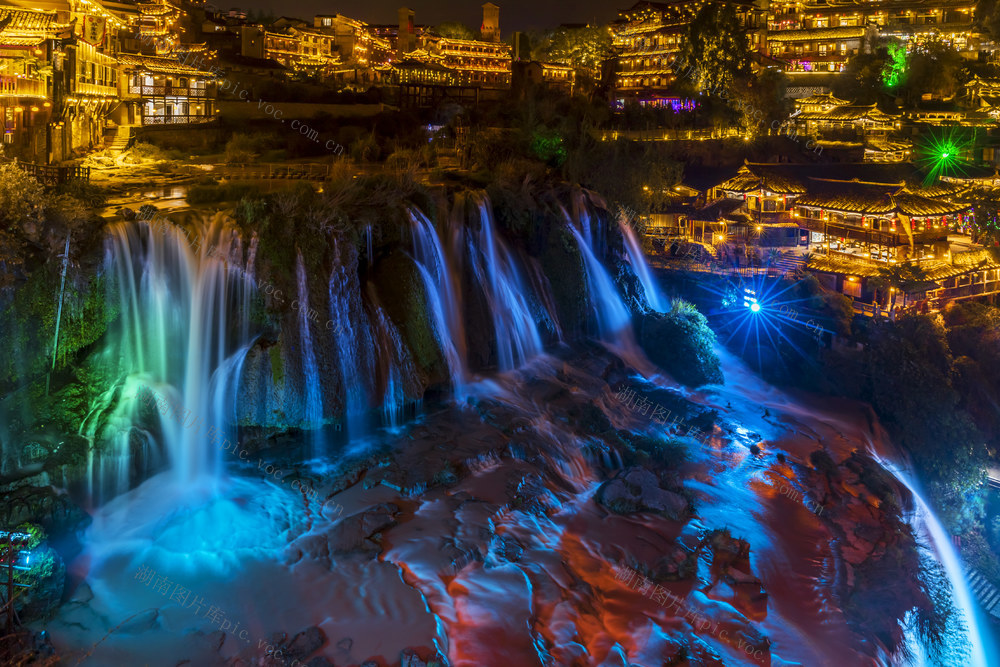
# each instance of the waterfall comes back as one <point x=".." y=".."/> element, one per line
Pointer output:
<point x="609" y="310"/>
<point x="395" y="368"/>
<point x="180" y="299"/>
<point x="496" y="271"/>
<point x="637" y="259"/>
<point x="442" y="297"/>
<point x="352" y="337"/>
<point x="949" y="558"/>
<point x="313" y="398"/>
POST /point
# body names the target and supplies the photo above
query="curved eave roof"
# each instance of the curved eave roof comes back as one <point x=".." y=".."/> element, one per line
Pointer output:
<point x="154" y="64"/>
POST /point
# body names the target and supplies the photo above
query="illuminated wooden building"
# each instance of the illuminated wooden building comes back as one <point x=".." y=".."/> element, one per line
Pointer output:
<point x="983" y="95"/>
<point x="159" y="27"/>
<point x="475" y="62"/>
<point x="528" y="74"/>
<point x="298" y="48"/>
<point x="163" y="91"/>
<point x="27" y="45"/>
<point x="817" y="37"/>
<point x="648" y="37"/>
<point x="855" y="227"/>
<point x="818" y="50"/>
<point x="423" y="71"/>
<point x="359" y="48"/>
<point x="849" y="121"/>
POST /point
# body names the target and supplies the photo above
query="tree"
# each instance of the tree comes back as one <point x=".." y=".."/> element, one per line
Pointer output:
<point x="716" y="48"/>
<point x="861" y="80"/>
<point x="760" y="100"/>
<point x="898" y="278"/>
<point x="988" y="17"/>
<point x="21" y="207"/>
<point x="935" y="68"/>
<point x="585" y="47"/>
<point x="911" y="390"/>
<point x="455" y="30"/>
<point x="986" y="213"/>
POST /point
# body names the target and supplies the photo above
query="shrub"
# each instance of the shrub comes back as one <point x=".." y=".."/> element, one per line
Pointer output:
<point x="681" y="342"/>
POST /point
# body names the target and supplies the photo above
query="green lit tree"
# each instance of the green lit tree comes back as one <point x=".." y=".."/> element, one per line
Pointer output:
<point x="894" y="69"/>
<point x="716" y="48"/>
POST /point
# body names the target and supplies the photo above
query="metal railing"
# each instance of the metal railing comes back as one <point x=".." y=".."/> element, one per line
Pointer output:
<point x="179" y="91"/>
<point x="175" y="119"/>
<point x="95" y="89"/>
<point x="52" y="175"/>
<point x="22" y="87"/>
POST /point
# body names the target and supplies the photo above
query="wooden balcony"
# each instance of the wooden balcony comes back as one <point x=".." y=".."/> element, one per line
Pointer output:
<point x="18" y="86"/>
<point x="886" y="238"/>
<point x="95" y="89"/>
<point x="161" y="90"/>
<point x="176" y="119"/>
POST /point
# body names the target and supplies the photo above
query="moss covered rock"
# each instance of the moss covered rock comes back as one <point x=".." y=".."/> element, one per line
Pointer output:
<point x="404" y="298"/>
<point x="681" y="342"/>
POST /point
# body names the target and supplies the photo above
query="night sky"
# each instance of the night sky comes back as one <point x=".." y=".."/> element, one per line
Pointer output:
<point x="514" y="14"/>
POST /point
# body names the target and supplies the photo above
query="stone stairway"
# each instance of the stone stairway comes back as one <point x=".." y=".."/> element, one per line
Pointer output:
<point x="790" y="262"/>
<point x="985" y="592"/>
<point x="123" y="139"/>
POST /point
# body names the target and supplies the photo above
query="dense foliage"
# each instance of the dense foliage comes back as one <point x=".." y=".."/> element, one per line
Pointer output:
<point x="681" y="342"/>
<point x="716" y="47"/>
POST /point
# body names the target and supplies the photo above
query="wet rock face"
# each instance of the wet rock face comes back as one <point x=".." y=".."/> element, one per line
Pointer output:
<point x="356" y="534"/>
<point x="639" y="490"/>
<point x="55" y="513"/>
<point x="879" y="556"/>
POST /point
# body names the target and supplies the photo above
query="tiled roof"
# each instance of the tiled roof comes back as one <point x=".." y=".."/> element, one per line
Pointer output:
<point x="26" y="20"/>
<point x="805" y="173"/>
<point x="847" y="32"/>
<point x="876" y="199"/>
<point x="748" y="180"/>
<point x="883" y="144"/>
<point x="824" y="98"/>
<point x="911" y="204"/>
<point x="977" y="257"/>
<point x="842" y="265"/>
<point x="847" y="112"/>
<point x="942" y="189"/>
<point x="719" y="209"/>
<point x="155" y="64"/>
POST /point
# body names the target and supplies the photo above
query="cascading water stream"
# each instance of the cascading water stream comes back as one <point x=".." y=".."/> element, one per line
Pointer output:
<point x="637" y="259"/>
<point x="609" y="310"/>
<point x="175" y="331"/>
<point x="442" y="297"/>
<point x="496" y="270"/>
<point x="949" y="558"/>
<point x="313" y="397"/>
<point x="353" y="345"/>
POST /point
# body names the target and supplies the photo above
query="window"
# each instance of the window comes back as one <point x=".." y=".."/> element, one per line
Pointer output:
<point x="822" y="49"/>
